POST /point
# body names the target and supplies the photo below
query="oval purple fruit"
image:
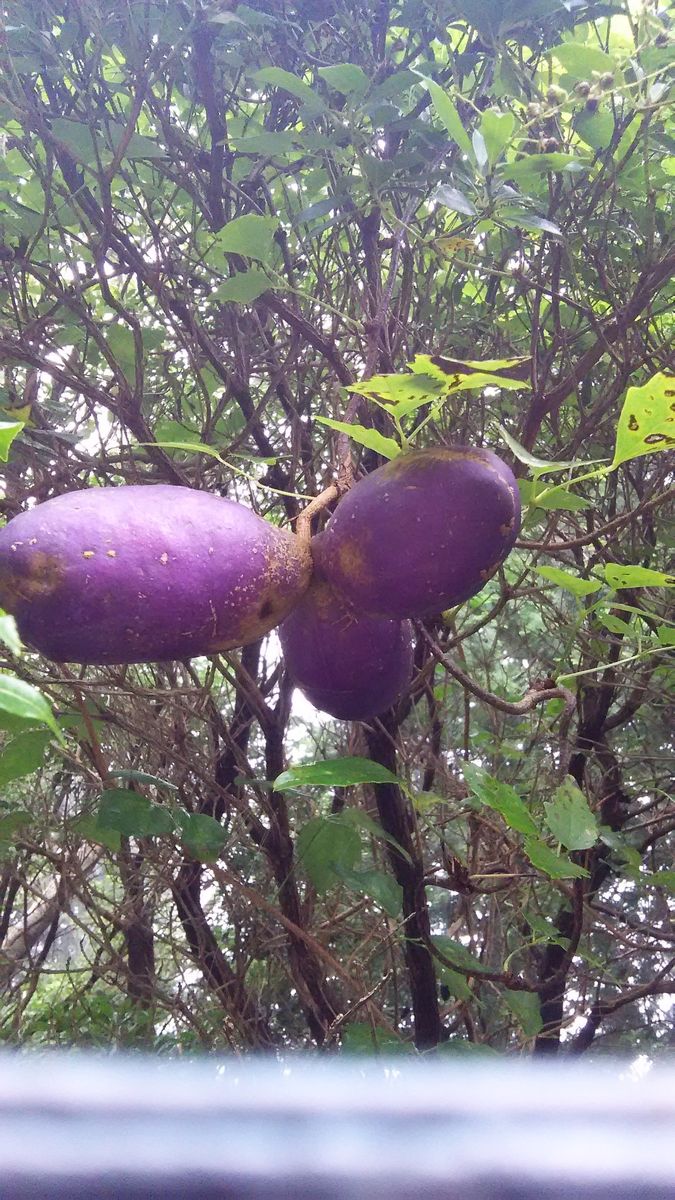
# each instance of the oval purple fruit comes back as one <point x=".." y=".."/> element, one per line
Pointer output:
<point x="423" y="532"/>
<point x="146" y="573"/>
<point x="347" y="664"/>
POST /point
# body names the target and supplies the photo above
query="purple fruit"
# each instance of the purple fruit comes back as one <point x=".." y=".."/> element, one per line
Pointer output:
<point x="142" y="574"/>
<point x="347" y="664"/>
<point x="423" y="532"/>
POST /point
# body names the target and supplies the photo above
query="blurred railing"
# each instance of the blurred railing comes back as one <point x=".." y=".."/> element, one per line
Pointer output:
<point x="133" y="1128"/>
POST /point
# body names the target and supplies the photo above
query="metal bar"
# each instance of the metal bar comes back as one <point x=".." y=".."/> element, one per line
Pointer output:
<point x="124" y="1128"/>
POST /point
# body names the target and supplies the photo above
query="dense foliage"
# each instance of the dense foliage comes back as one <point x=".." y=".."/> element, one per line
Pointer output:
<point x="215" y="220"/>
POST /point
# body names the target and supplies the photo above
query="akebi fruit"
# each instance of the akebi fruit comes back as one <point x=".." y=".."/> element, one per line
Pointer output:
<point x="146" y="573"/>
<point x="422" y="533"/>
<point x="346" y="663"/>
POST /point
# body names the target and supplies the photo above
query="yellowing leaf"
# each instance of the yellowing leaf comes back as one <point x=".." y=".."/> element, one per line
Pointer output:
<point x="451" y="246"/>
<point x="647" y="420"/>
<point x="618" y="576"/>
<point x="8" y="431"/>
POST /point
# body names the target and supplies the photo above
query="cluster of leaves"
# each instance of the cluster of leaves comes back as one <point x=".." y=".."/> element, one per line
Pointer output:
<point x="232" y="240"/>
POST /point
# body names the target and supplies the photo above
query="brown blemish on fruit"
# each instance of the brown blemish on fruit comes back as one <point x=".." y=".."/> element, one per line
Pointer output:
<point x="164" y="558"/>
<point x="490" y="571"/>
<point x="353" y="562"/>
<point x="263" y="602"/>
<point x="88" y="553"/>
<point x="111" y="553"/>
<point x="507" y="527"/>
<point x="39" y="577"/>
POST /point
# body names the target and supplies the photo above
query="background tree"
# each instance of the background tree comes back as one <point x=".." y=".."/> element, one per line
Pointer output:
<point x="214" y="220"/>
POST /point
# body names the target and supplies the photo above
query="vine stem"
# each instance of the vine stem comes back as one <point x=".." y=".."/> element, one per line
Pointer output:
<point x="303" y="524"/>
<point x="536" y="694"/>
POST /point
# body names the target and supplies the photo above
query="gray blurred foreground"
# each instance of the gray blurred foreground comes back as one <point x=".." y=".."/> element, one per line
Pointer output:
<point x="75" y="1127"/>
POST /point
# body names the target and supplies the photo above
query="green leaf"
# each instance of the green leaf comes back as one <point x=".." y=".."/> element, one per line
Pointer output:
<point x="23" y="755"/>
<point x="250" y="236"/>
<point x="581" y="61"/>
<point x="570" y="583"/>
<point x="647" y="420"/>
<point x="225" y="18"/>
<point x="334" y="772"/>
<point x="615" y="624"/>
<point x="479" y="150"/>
<point x="455" y="200"/>
<point x="8" y="431"/>
<point x="88" y="828"/>
<point x="520" y="216"/>
<point x="497" y="130"/>
<point x="275" y="144"/>
<point x="139" y="146"/>
<point x="326" y="845"/>
<point x="664" y="879"/>
<point x="569" y="817"/>
<point x="499" y="796"/>
<point x="365" y="437"/>
<point x="77" y="138"/>
<point x="526" y="1008"/>
<point x="11" y="823"/>
<point x="23" y="700"/>
<point x="361" y="820"/>
<point x="245" y="287"/>
<point x="551" y="499"/>
<point x="361" y="1038"/>
<point x="9" y="633"/>
<point x="596" y="129"/>
<point x="666" y="635"/>
<point x="543" y="930"/>
<point x="539" y="465"/>
<point x="131" y="814"/>
<point x="534" y="165"/>
<point x="277" y="77"/>
<point x="556" y="866"/>
<point x="455" y="982"/>
<point x="319" y="209"/>
<point x="202" y="836"/>
<point x="345" y="78"/>
<point x="446" y="111"/>
<point x="458" y="955"/>
<point x="619" y="576"/>
<point x="377" y="886"/>
<point x="121" y="344"/>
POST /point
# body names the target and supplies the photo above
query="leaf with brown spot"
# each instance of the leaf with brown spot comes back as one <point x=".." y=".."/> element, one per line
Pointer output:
<point x="647" y="421"/>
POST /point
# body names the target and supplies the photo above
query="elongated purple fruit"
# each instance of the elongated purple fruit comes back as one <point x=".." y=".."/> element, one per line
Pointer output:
<point x="142" y="574"/>
<point x="347" y="664"/>
<point x="423" y="532"/>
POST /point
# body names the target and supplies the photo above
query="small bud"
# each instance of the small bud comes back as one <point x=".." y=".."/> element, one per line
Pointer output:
<point x="592" y="104"/>
<point x="606" y="80"/>
<point x="582" y="88"/>
<point x="556" y="95"/>
<point x="533" y="111"/>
